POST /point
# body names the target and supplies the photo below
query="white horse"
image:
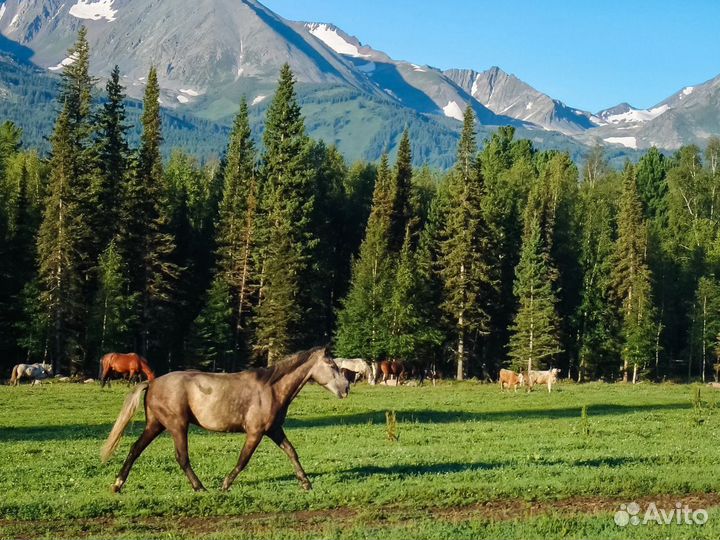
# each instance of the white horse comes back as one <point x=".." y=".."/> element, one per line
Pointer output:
<point x="35" y="372"/>
<point x="356" y="365"/>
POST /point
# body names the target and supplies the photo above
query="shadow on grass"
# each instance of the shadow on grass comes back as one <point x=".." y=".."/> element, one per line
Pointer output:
<point x="427" y="416"/>
<point x="423" y="416"/>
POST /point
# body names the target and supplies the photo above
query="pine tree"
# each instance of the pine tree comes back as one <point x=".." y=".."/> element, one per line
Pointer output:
<point x="631" y="279"/>
<point x="362" y="328"/>
<point x="534" y="338"/>
<point x="465" y="260"/>
<point x="287" y="203"/>
<point x="652" y="184"/>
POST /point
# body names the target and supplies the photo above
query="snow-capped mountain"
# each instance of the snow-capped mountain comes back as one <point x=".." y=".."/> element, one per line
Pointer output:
<point x="505" y="94"/>
<point x="211" y="52"/>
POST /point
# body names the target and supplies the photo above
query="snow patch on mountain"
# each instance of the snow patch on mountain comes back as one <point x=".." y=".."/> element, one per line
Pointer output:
<point x="257" y="100"/>
<point x="474" y="88"/>
<point x="190" y="92"/>
<point x="628" y="142"/>
<point x="182" y="99"/>
<point x="453" y="110"/>
<point x="418" y="68"/>
<point x="636" y="115"/>
<point x="66" y="62"/>
<point x="2" y="11"/>
<point x="87" y="9"/>
<point x="335" y="41"/>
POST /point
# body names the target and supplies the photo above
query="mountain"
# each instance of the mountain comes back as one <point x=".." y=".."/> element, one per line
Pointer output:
<point x="210" y="53"/>
<point x="507" y="95"/>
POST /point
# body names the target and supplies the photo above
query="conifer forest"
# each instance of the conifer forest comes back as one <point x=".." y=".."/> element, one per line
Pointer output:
<point x="512" y="257"/>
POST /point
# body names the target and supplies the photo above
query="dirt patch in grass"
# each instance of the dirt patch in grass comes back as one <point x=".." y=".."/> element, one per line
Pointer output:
<point x="316" y="521"/>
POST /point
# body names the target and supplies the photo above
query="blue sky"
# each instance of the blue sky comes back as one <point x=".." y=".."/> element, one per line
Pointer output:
<point x="591" y="55"/>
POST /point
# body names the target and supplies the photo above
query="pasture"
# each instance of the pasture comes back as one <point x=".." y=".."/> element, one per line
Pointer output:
<point x="469" y="462"/>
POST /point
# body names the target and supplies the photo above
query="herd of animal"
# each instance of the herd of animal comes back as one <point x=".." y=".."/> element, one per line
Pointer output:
<point x="510" y="379"/>
<point x="254" y="402"/>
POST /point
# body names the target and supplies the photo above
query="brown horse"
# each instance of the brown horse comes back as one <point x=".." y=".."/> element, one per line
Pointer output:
<point x="130" y="364"/>
<point x="392" y="368"/>
<point x="254" y="402"/>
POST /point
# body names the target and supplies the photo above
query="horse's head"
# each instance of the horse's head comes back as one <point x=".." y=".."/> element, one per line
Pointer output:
<point x="47" y="368"/>
<point x="326" y="373"/>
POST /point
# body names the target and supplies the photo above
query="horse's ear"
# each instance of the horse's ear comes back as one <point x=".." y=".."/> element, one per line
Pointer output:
<point x="326" y="350"/>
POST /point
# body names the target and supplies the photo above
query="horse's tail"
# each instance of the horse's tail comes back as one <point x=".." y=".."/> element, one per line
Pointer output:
<point x="13" y="375"/>
<point x="126" y="413"/>
<point x="101" y="366"/>
<point x="146" y="369"/>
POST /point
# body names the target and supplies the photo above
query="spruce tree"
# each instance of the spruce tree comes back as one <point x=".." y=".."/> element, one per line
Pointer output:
<point x="237" y="241"/>
<point x="287" y="203"/>
<point x="112" y="149"/>
<point x="411" y="330"/>
<point x="631" y="279"/>
<point x="145" y="240"/>
<point x="534" y="340"/>
<point x="211" y="334"/>
<point x="362" y="328"/>
<point x="401" y="193"/>
<point x="465" y="260"/>
<point x="60" y="277"/>
<point x="114" y="310"/>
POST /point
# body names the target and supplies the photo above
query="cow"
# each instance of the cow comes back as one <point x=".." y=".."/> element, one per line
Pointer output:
<point x="548" y="377"/>
<point x="510" y="379"/>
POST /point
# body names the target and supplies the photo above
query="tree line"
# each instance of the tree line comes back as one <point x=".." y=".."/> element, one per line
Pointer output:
<point x="513" y="257"/>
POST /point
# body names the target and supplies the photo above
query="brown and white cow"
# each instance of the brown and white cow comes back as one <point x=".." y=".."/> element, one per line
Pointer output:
<point x="510" y="379"/>
<point x="548" y="377"/>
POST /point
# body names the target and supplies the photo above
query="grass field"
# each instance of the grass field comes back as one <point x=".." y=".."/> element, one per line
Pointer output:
<point x="470" y="462"/>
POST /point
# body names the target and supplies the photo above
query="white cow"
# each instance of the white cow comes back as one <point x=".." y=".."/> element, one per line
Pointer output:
<point x="548" y="377"/>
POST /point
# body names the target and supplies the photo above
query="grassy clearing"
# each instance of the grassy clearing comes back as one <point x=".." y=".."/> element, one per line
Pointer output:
<point x="468" y="462"/>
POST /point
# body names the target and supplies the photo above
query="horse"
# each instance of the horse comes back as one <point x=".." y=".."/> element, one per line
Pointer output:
<point x="392" y="368"/>
<point x="357" y="365"/>
<point x="131" y="364"/>
<point x="34" y="372"/>
<point x="254" y="402"/>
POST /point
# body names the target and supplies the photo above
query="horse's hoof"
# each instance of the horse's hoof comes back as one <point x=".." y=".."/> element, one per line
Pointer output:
<point x="199" y="489"/>
<point x="306" y="485"/>
<point x="115" y="488"/>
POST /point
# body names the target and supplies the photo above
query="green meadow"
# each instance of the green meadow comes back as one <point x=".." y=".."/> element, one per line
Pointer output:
<point x="468" y="462"/>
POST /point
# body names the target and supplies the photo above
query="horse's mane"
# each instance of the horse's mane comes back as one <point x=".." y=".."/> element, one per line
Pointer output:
<point x="278" y="370"/>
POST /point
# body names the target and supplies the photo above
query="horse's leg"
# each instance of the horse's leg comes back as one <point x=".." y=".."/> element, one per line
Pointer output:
<point x="180" y="436"/>
<point x="251" y="442"/>
<point x="278" y="437"/>
<point x="152" y="429"/>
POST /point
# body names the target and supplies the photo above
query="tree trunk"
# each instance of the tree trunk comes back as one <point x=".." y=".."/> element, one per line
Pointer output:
<point x="704" y="352"/>
<point x="461" y="352"/>
<point x="635" y="373"/>
<point x="625" y="370"/>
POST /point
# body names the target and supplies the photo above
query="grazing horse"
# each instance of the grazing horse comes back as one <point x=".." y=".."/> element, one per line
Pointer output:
<point x="392" y="368"/>
<point x="34" y="372"/>
<point x="131" y="364"/>
<point x="254" y="402"/>
<point x="357" y="365"/>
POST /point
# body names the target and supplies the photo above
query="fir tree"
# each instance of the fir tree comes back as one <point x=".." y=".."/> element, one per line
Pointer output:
<point x="410" y="329"/>
<point x="113" y="157"/>
<point x="362" y="323"/>
<point x="211" y="335"/>
<point x="402" y="214"/>
<point x="534" y="338"/>
<point x="59" y="237"/>
<point x="287" y="202"/>
<point x="631" y="279"/>
<point x="114" y="310"/>
<point x="236" y="238"/>
<point x="465" y="260"/>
